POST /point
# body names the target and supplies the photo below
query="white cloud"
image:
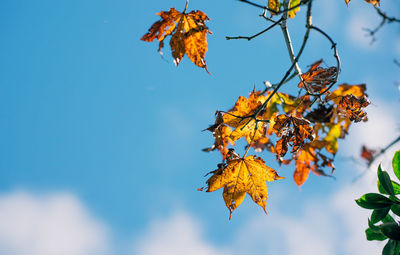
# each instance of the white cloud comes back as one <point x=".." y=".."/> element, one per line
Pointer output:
<point x="48" y="225"/>
<point x="381" y="128"/>
<point x="356" y="30"/>
<point x="179" y="235"/>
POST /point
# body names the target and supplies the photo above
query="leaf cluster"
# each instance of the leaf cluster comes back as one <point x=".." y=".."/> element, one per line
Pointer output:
<point x="385" y="205"/>
<point x="280" y="123"/>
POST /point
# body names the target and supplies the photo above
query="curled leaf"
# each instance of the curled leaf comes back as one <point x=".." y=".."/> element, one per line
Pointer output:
<point x="316" y="79"/>
<point x="188" y="31"/>
<point x="353" y="107"/>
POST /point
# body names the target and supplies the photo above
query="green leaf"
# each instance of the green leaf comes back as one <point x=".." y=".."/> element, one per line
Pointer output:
<point x="391" y="230"/>
<point x="397" y="251"/>
<point x="396" y="188"/>
<point x="373" y="227"/>
<point x="388" y="218"/>
<point x="374" y="201"/>
<point x="389" y="248"/>
<point x="396" y="164"/>
<point x="373" y="235"/>
<point x="379" y="214"/>
<point x="385" y="181"/>
<point x="395" y="209"/>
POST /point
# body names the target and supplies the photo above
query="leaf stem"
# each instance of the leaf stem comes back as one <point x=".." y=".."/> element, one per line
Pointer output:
<point x="186" y="5"/>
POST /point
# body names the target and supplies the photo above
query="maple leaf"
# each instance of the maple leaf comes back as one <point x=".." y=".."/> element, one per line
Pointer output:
<point x="374" y="2"/>
<point x="291" y="129"/>
<point x="240" y="176"/>
<point x="367" y="154"/>
<point x="274" y="5"/>
<point x="221" y="134"/>
<point x="321" y="114"/>
<point x="353" y="107"/>
<point x="316" y="79"/>
<point x="293" y="12"/>
<point x="188" y="35"/>
<point x="240" y="118"/>
<point x="307" y="159"/>
<point x="346" y="89"/>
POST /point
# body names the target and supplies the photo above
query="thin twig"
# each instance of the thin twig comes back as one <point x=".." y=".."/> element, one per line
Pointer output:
<point x="376" y="156"/>
<point x="254" y="36"/>
<point x="385" y="19"/>
<point x="288" y="41"/>
<point x="306" y="35"/>
<point x="288" y="72"/>
<point x="303" y="2"/>
<point x="286" y="81"/>
<point x="252" y="140"/>
<point x="336" y="55"/>
<point x="382" y="151"/>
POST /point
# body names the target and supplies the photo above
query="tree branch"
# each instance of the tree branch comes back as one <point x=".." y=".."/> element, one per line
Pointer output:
<point x="288" y="41"/>
<point x="385" y="18"/>
<point x="376" y="156"/>
<point x="336" y="55"/>
<point x="254" y="36"/>
<point x="303" y="2"/>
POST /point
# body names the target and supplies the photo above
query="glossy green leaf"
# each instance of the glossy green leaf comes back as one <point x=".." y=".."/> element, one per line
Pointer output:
<point x="373" y="227"/>
<point x="396" y="188"/>
<point x="374" y="201"/>
<point x="391" y="230"/>
<point x="395" y="209"/>
<point x="397" y="251"/>
<point x="389" y="248"/>
<point x="385" y="181"/>
<point x="374" y="235"/>
<point x="388" y="218"/>
<point x="396" y="164"/>
<point x="379" y="214"/>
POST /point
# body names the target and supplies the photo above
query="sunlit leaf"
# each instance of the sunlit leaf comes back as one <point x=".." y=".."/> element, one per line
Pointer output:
<point x="188" y="35"/>
<point x="241" y="176"/>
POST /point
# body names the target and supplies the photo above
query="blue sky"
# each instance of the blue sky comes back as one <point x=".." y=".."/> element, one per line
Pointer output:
<point x="96" y="122"/>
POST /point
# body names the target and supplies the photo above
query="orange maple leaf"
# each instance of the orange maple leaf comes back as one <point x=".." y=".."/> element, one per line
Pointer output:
<point x="240" y="176"/>
<point x="307" y="159"/>
<point x="374" y="2"/>
<point x="221" y="134"/>
<point x="316" y="79"/>
<point x="291" y="129"/>
<point x="188" y="31"/>
<point x="367" y="154"/>
<point x="353" y="107"/>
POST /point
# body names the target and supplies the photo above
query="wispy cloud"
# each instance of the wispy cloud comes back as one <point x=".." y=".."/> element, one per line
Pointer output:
<point x="180" y="234"/>
<point x="47" y="225"/>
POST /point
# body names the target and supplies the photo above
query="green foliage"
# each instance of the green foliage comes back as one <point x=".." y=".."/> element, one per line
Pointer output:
<point x="382" y="225"/>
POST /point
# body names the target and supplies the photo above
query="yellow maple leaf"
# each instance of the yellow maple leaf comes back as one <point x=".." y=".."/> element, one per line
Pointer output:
<point x="239" y="119"/>
<point x="274" y="5"/>
<point x="292" y="13"/>
<point x="189" y="35"/>
<point x="346" y="89"/>
<point x="241" y="176"/>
